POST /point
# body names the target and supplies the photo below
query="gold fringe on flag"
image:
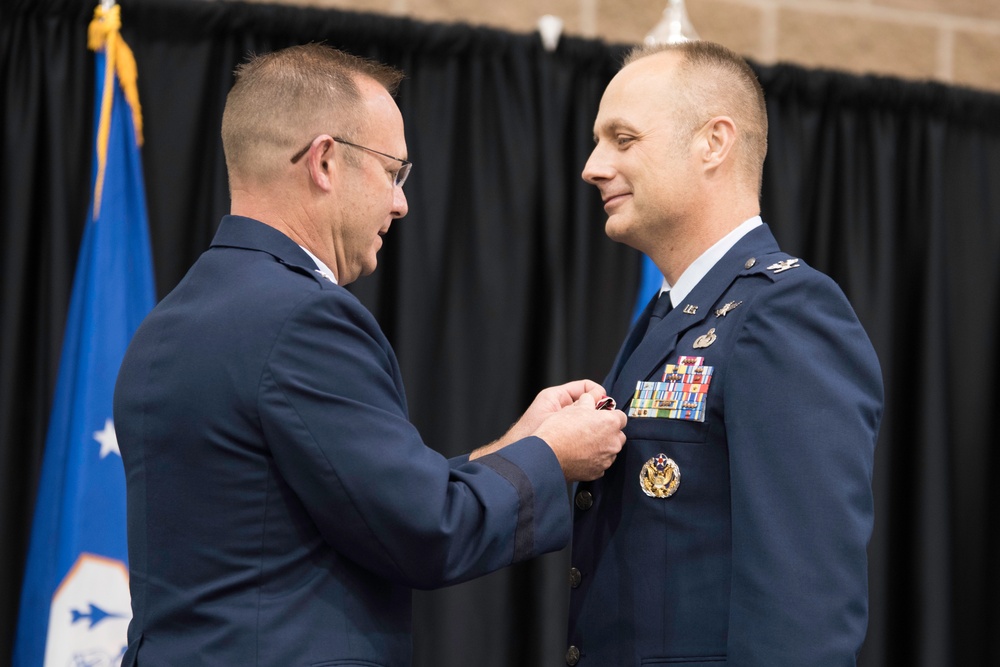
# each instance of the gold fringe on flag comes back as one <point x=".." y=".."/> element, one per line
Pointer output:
<point x="104" y="34"/>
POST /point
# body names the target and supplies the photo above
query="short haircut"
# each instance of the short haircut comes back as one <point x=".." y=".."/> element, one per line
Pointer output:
<point x="285" y="98"/>
<point x="717" y="82"/>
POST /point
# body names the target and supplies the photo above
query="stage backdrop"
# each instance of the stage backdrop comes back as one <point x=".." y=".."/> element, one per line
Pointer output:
<point x="500" y="280"/>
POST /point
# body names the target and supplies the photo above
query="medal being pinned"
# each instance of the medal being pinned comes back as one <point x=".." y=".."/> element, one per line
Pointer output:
<point x="660" y="477"/>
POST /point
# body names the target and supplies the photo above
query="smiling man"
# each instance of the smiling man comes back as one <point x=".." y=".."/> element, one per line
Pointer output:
<point x="280" y="504"/>
<point x="733" y="527"/>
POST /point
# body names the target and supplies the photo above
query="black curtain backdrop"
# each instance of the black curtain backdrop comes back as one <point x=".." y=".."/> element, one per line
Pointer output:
<point x="500" y="280"/>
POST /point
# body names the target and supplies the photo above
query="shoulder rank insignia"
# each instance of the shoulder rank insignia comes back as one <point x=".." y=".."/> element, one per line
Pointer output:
<point x="784" y="265"/>
<point x="660" y="477"/>
<point x="722" y="312"/>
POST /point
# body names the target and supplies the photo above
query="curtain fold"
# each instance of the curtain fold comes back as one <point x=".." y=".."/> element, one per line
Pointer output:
<point x="500" y="280"/>
<point x="890" y="187"/>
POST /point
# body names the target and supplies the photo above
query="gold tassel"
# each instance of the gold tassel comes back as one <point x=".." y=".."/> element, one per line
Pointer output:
<point x="103" y="33"/>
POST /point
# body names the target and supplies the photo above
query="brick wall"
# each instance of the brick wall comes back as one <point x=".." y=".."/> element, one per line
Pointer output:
<point x="953" y="41"/>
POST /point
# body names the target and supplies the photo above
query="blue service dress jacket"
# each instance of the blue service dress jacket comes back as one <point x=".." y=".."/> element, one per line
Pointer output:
<point x="758" y="558"/>
<point x="280" y="504"/>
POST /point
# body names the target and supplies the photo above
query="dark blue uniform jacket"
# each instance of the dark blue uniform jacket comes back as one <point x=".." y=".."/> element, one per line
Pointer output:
<point x="280" y="504"/>
<point x="758" y="558"/>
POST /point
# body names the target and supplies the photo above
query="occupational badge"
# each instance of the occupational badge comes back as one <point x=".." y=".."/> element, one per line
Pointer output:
<point x="722" y="312"/>
<point x="660" y="477"/>
<point x="706" y="340"/>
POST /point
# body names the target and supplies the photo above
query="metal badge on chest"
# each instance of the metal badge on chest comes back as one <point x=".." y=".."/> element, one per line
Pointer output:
<point x="660" y="477"/>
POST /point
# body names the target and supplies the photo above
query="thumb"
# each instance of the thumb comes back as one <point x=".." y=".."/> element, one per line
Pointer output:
<point x="586" y="401"/>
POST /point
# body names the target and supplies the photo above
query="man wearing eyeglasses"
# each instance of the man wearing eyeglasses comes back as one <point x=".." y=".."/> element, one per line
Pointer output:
<point x="281" y="506"/>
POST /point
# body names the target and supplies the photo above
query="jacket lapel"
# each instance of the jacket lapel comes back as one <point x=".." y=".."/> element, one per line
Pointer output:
<point x="632" y="340"/>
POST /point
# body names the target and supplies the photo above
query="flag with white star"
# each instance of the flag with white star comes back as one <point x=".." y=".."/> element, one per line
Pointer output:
<point x="75" y="604"/>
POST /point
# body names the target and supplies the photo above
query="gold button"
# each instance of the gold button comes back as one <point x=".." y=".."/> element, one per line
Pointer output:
<point x="574" y="577"/>
<point x="584" y="500"/>
<point x="572" y="656"/>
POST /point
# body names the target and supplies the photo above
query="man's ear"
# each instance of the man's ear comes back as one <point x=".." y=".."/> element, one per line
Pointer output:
<point x="320" y="161"/>
<point x="718" y="136"/>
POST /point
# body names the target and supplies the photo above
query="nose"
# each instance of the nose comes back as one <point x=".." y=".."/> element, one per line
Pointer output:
<point x="597" y="168"/>
<point x="399" y="205"/>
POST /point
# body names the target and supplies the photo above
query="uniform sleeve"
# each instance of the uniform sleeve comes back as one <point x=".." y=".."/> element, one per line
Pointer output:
<point x="803" y="404"/>
<point x="333" y="413"/>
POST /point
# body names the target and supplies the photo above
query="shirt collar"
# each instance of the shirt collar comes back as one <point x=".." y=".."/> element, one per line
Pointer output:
<point x="700" y="267"/>
<point x="322" y="269"/>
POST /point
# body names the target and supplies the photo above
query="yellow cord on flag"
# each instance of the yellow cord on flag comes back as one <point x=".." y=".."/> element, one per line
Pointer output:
<point x="104" y="34"/>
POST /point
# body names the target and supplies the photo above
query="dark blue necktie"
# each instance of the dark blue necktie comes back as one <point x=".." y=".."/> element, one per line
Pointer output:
<point x="660" y="309"/>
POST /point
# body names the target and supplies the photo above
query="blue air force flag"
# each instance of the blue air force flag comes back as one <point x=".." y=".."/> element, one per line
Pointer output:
<point x="650" y="284"/>
<point x="75" y="605"/>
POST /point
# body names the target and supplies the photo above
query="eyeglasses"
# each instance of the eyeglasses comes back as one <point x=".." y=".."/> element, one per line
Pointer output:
<point x="398" y="177"/>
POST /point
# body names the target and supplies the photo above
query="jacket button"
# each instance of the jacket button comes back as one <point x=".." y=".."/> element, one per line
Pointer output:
<point x="574" y="577"/>
<point x="572" y="656"/>
<point x="584" y="500"/>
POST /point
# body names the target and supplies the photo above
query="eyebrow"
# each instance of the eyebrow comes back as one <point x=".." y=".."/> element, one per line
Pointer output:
<point x="614" y="124"/>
